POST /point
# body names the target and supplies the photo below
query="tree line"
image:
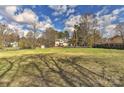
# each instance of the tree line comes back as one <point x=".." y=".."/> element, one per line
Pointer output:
<point x="32" y="39"/>
<point x="85" y="34"/>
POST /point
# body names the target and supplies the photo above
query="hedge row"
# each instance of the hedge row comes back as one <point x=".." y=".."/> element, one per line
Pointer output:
<point x="110" y="46"/>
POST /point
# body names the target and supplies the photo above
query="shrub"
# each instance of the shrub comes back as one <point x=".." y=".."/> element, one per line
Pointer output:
<point x="24" y="44"/>
<point x="1" y="46"/>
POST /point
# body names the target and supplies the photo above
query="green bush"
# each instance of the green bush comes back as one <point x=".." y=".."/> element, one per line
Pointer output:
<point x="24" y="44"/>
<point x="1" y="46"/>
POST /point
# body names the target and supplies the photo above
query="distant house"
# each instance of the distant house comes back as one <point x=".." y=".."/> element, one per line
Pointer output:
<point x="116" y="39"/>
<point x="42" y="46"/>
<point x="113" y="42"/>
<point x="61" y="42"/>
<point x="14" y="44"/>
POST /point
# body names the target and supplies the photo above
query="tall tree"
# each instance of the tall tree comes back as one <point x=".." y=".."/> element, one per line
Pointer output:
<point x="60" y="35"/>
<point x="30" y="39"/>
<point x="3" y="28"/>
<point x="63" y="34"/>
<point x="120" y="29"/>
<point x="66" y="34"/>
<point x="50" y="35"/>
<point x="35" y="28"/>
<point x="85" y="29"/>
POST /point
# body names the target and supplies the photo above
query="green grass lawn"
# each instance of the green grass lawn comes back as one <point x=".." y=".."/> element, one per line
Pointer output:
<point x="62" y="67"/>
<point x="68" y="51"/>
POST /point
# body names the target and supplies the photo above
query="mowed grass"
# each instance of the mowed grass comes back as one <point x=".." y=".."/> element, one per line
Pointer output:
<point x="62" y="67"/>
<point x="66" y="51"/>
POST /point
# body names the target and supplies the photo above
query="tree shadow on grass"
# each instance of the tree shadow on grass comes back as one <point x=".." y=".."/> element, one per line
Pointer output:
<point x="90" y="76"/>
<point x="47" y="70"/>
<point x="8" y="69"/>
<point x="86" y="78"/>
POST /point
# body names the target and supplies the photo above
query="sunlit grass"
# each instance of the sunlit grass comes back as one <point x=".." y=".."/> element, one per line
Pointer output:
<point x="26" y="67"/>
<point x="64" y="51"/>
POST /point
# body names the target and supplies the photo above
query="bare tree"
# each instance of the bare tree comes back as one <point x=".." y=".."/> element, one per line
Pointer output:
<point x="85" y="32"/>
<point x="33" y="34"/>
<point x="120" y="28"/>
<point x="3" y="28"/>
<point x="75" y="37"/>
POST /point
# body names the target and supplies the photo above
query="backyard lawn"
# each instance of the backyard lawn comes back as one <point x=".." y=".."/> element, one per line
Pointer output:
<point x="62" y="67"/>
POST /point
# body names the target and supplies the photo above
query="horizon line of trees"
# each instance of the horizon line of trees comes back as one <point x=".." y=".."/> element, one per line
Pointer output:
<point x="32" y="39"/>
<point x="85" y="34"/>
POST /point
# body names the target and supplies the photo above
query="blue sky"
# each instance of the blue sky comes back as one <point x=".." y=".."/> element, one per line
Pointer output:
<point x="60" y="17"/>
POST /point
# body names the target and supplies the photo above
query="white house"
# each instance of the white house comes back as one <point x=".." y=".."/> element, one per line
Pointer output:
<point x="15" y="44"/>
<point x="61" y="43"/>
<point x="42" y="46"/>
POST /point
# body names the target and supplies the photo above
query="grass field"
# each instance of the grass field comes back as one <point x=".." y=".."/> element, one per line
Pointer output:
<point x="62" y="67"/>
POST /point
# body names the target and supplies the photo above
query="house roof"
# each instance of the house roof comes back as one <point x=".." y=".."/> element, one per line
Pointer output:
<point x="116" y="36"/>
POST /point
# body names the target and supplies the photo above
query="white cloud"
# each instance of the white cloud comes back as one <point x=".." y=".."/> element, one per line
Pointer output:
<point x="117" y="11"/>
<point x="110" y="28"/>
<point x="56" y="19"/>
<point x="28" y="16"/>
<point x="58" y="29"/>
<point x="10" y="9"/>
<point x="71" y="21"/>
<point x="8" y="12"/>
<point x="105" y="24"/>
<point x="106" y="21"/>
<point x="70" y="11"/>
<point x="45" y="23"/>
<point x="71" y="29"/>
<point x="47" y="19"/>
<point x="108" y="18"/>
<point x="61" y="9"/>
<point x="103" y="11"/>
<point x="23" y="20"/>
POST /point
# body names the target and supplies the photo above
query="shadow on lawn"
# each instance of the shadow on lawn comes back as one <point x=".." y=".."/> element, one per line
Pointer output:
<point x="46" y="70"/>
